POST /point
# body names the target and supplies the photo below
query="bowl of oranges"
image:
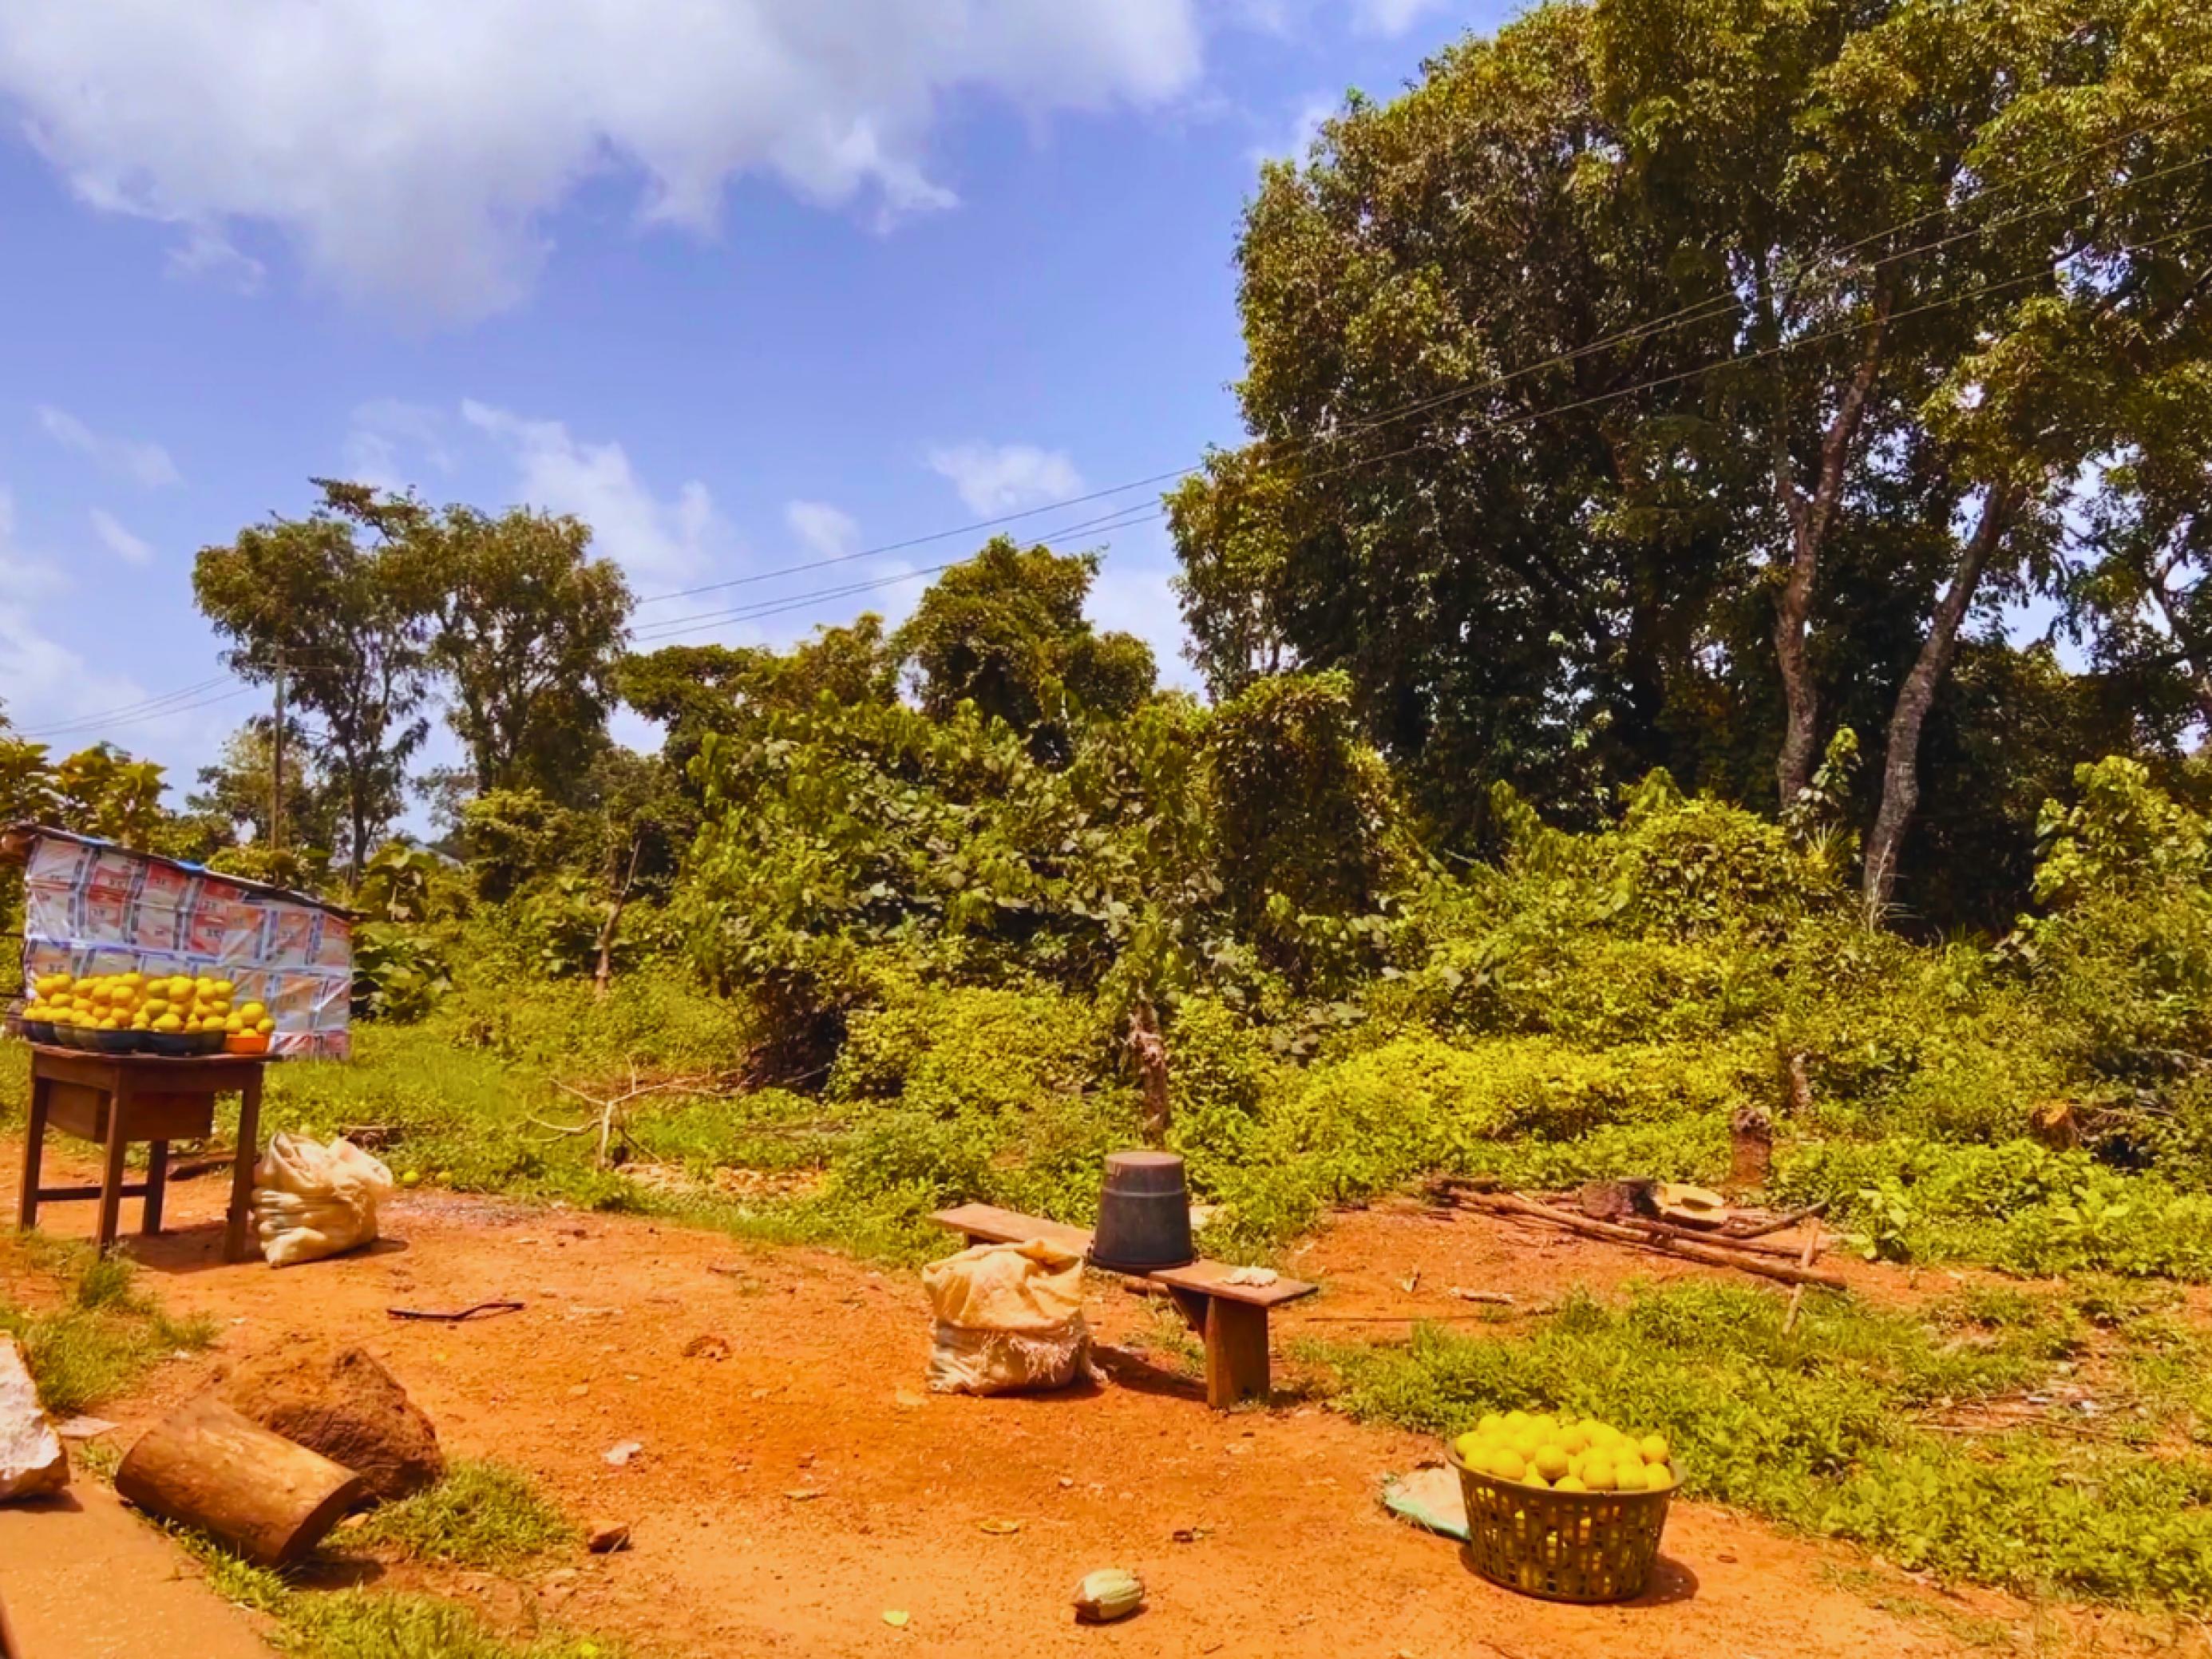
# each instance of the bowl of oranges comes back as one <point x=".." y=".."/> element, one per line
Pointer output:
<point x="1570" y="1509"/>
<point x="134" y="1012"/>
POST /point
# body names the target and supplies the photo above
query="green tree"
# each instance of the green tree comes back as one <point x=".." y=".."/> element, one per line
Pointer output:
<point x="527" y="628"/>
<point x="235" y="793"/>
<point x="1604" y="434"/>
<point x="339" y="599"/>
<point x="693" y="690"/>
<point x="1005" y="631"/>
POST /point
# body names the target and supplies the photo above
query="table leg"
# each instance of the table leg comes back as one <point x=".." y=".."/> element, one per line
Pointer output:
<point x="157" y="1184"/>
<point x="110" y="1185"/>
<point x="1235" y="1354"/>
<point x="236" y="1244"/>
<point x="34" y="1153"/>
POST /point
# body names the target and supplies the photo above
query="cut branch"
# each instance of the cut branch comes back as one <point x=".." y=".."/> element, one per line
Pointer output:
<point x="1515" y="1204"/>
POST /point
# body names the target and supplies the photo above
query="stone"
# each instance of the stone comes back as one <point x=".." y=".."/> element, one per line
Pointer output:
<point x="339" y="1401"/>
<point x="605" y="1537"/>
<point x="33" y="1463"/>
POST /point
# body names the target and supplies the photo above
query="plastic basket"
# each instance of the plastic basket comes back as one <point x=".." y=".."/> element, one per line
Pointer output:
<point x="1562" y="1545"/>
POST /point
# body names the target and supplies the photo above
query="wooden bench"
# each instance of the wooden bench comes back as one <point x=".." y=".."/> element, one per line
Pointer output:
<point x="1231" y="1318"/>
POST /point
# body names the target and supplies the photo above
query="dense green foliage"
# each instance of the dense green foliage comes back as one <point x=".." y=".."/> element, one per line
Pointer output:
<point x="1663" y="382"/>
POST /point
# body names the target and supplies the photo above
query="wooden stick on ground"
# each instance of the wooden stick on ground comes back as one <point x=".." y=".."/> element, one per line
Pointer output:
<point x="1755" y="1246"/>
<point x="1797" y="1295"/>
<point x="1514" y="1205"/>
<point x="1738" y="1235"/>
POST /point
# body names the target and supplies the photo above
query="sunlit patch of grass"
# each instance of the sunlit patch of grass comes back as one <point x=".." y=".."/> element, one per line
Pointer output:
<point x="96" y="1334"/>
<point x="481" y="1514"/>
<point x="375" y="1624"/>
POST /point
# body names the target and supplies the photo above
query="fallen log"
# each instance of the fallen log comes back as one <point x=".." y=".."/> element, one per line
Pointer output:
<point x="1717" y="1255"/>
<point x="268" y="1498"/>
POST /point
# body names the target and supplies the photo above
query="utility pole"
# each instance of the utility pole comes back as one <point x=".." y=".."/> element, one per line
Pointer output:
<point x="277" y="764"/>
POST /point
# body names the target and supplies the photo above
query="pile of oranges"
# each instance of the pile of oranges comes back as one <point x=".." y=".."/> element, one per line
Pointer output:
<point x="1575" y="1455"/>
<point x="171" y="1003"/>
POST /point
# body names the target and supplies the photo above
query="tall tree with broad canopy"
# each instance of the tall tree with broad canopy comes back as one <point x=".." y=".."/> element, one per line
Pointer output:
<point x="526" y="629"/>
<point x="1660" y="361"/>
<point x="339" y="594"/>
<point x="1005" y="631"/>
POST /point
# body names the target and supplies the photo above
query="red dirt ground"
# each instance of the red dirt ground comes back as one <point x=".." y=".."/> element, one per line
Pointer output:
<point x="788" y="1496"/>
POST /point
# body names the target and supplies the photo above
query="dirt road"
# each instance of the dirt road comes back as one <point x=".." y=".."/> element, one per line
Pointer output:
<point x="790" y="1494"/>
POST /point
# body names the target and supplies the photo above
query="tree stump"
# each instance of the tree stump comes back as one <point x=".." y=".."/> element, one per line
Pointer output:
<point x="1751" y="1148"/>
<point x="262" y="1496"/>
<point x="341" y="1402"/>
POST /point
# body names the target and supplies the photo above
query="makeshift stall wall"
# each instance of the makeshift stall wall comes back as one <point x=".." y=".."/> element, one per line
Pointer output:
<point x="91" y="906"/>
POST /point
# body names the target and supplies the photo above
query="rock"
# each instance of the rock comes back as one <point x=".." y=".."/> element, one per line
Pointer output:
<point x="707" y="1347"/>
<point x="33" y="1463"/>
<point x="621" y="1451"/>
<point x="340" y="1402"/>
<point x="605" y="1537"/>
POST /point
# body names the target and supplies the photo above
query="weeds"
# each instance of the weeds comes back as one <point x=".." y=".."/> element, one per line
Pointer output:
<point x="95" y="1335"/>
<point x="372" y="1624"/>
<point x="480" y="1514"/>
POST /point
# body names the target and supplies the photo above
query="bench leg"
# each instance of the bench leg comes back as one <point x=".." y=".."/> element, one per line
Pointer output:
<point x="34" y="1153"/>
<point x="1235" y="1354"/>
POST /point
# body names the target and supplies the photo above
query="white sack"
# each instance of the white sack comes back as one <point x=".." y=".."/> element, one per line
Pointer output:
<point x="1008" y="1317"/>
<point x="311" y="1201"/>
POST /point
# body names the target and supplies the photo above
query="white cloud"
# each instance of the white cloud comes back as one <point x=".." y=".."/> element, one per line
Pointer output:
<point x="1304" y="127"/>
<point x="1391" y="16"/>
<point x="658" y="542"/>
<point x="384" y="432"/>
<point x="207" y="255"/>
<point x="827" y="531"/>
<point x="48" y="684"/>
<point x="144" y="464"/>
<point x="413" y="150"/>
<point x="996" y="478"/>
<point x="118" y="541"/>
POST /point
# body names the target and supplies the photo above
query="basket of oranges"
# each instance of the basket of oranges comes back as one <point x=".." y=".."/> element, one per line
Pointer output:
<point x="1564" y="1508"/>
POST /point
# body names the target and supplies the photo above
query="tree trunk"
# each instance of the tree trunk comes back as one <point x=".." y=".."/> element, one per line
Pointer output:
<point x="1900" y="769"/>
<point x="1150" y="1052"/>
<point x="603" y="970"/>
<point x="209" y="1466"/>
<point x="1801" y="697"/>
<point x="1809" y="517"/>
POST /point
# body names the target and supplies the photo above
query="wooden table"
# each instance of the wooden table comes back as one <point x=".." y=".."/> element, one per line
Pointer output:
<point x="115" y="1099"/>
<point x="1232" y="1319"/>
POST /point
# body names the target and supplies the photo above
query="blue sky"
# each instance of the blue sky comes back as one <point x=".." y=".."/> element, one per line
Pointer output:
<point x="744" y="283"/>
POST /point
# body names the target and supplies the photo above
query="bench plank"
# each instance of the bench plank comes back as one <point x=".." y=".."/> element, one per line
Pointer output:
<point x="1204" y="1277"/>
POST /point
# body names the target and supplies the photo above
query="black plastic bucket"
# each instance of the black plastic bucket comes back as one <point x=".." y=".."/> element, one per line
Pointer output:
<point x="1144" y="1214"/>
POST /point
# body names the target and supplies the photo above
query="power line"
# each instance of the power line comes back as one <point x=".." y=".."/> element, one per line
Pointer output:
<point x="1688" y="315"/>
<point x="1129" y="516"/>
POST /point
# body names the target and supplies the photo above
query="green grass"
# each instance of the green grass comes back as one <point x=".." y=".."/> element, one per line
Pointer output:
<point x="378" y="1624"/>
<point x="1818" y="1431"/>
<point x="96" y="1334"/>
<point x="481" y="1514"/>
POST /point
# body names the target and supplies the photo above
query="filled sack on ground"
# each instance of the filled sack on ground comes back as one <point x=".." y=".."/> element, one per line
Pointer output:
<point x="312" y="1200"/>
<point x="1009" y="1316"/>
